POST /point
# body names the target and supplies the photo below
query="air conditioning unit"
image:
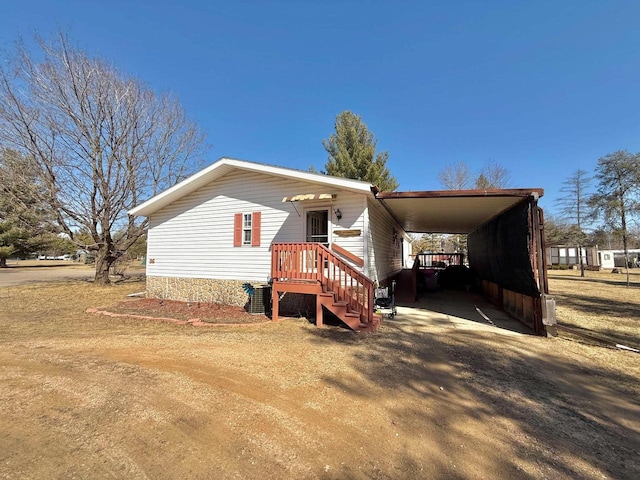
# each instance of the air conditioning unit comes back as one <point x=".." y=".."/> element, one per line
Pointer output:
<point x="260" y="300"/>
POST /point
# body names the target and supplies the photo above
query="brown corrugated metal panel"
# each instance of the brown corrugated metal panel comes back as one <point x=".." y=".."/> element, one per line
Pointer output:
<point x="451" y="211"/>
<point x="497" y="192"/>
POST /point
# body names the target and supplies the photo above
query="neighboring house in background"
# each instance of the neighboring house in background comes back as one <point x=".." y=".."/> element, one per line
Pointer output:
<point x="568" y="255"/>
<point x="615" y="258"/>
<point x="239" y="222"/>
<point x="592" y="257"/>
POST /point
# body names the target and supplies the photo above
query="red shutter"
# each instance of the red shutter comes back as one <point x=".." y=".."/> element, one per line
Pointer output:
<point x="255" y="229"/>
<point x="237" y="230"/>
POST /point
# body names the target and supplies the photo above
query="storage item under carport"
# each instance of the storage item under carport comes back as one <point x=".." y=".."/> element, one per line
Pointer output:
<point x="385" y="301"/>
<point x="458" y="277"/>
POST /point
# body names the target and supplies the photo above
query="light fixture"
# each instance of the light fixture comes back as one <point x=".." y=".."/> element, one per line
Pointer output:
<point x="338" y="213"/>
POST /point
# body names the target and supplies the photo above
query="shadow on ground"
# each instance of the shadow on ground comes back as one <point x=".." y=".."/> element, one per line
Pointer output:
<point x="481" y="393"/>
<point x="455" y="308"/>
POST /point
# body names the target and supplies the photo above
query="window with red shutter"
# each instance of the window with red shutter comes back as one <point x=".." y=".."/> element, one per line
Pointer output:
<point x="237" y="230"/>
<point x="246" y="229"/>
<point x="255" y="229"/>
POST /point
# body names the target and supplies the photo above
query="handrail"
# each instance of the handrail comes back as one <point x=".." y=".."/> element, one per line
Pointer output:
<point x="347" y="254"/>
<point x="314" y="261"/>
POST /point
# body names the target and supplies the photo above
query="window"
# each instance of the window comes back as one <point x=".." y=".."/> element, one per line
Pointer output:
<point x="318" y="226"/>
<point x="246" y="229"/>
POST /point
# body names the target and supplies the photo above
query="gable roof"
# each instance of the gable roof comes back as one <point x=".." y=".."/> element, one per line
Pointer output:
<point x="223" y="166"/>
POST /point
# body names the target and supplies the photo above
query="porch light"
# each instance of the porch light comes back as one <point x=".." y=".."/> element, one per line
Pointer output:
<point x="338" y="213"/>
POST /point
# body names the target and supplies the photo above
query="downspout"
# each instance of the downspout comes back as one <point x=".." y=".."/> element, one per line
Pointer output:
<point x="548" y="303"/>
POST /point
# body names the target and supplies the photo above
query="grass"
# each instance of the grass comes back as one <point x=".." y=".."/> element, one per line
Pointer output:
<point x="599" y="302"/>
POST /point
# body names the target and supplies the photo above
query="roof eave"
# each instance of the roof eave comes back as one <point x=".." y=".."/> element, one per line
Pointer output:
<point x="510" y="192"/>
<point x="199" y="179"/>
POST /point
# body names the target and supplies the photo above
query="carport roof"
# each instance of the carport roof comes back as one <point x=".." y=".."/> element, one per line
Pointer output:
<point x="451" y="211"/>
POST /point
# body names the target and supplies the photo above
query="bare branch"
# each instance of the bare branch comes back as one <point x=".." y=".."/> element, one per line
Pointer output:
<point x="456" y="176"/>
<point x="100" y="141"/>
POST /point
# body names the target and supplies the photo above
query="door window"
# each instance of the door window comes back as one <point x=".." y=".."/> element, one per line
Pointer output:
<point x="318" y="226"/>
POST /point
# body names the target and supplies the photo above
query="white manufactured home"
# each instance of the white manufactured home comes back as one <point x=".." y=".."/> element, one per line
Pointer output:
<point x="592" y="257"/>
<point x="570" y="255"/>
<point x="219" y="229"/>
<point x="610" y="259"/>
<point x="329" y="242"/>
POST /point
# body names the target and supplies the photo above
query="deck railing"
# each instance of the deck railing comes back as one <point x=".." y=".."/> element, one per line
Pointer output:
<point x="439" y="260"/>
<point x="315" y="262"/>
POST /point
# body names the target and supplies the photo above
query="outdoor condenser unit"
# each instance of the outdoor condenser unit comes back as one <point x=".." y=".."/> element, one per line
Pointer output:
<point x="260" y="300"/>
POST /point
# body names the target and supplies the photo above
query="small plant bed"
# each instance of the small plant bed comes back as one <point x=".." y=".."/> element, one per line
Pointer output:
<point x="212" y="313"/>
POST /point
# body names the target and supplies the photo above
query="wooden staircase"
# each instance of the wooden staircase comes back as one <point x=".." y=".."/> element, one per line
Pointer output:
<point x="339" y="288"/>
<point x="341" y="309"/>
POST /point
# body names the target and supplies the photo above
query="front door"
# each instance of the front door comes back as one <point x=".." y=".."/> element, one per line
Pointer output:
<point x="317" y="232"/>
<point x="318" y="226"/>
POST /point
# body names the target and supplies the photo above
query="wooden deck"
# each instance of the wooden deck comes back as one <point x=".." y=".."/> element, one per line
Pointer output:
<point x="312" y="268"/>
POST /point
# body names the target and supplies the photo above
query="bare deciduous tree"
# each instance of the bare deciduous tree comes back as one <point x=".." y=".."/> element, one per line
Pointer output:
<point x="456" y="176"/>
<point x="492" y="175"/>
<point x="617" y="198"/>
<point x="574" y="208"/>
<point x="101" y="141"/>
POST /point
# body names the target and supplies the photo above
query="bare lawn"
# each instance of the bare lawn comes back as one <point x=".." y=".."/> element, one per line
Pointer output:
<point x="90" y="396"/>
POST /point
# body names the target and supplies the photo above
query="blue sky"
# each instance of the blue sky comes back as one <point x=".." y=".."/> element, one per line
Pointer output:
<point x="542" y="88"/>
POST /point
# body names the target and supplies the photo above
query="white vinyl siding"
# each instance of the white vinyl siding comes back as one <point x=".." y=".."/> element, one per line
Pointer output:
<point x="193" y="237"/>
<point x="385" y="240"/>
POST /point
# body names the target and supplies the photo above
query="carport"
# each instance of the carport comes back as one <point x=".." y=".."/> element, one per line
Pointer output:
<point x="505" y="241"/>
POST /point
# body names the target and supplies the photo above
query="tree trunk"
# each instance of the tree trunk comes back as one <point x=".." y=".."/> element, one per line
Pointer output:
<point x="581" y="261"/>
<point x="3" y="262"/>
<point x="623" y="221"/>
<point x="103" y="265"/>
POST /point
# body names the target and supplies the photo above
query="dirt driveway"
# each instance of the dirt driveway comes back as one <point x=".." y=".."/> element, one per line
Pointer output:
<point x="25" y="272"/>
<point x="86" y="396"/>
